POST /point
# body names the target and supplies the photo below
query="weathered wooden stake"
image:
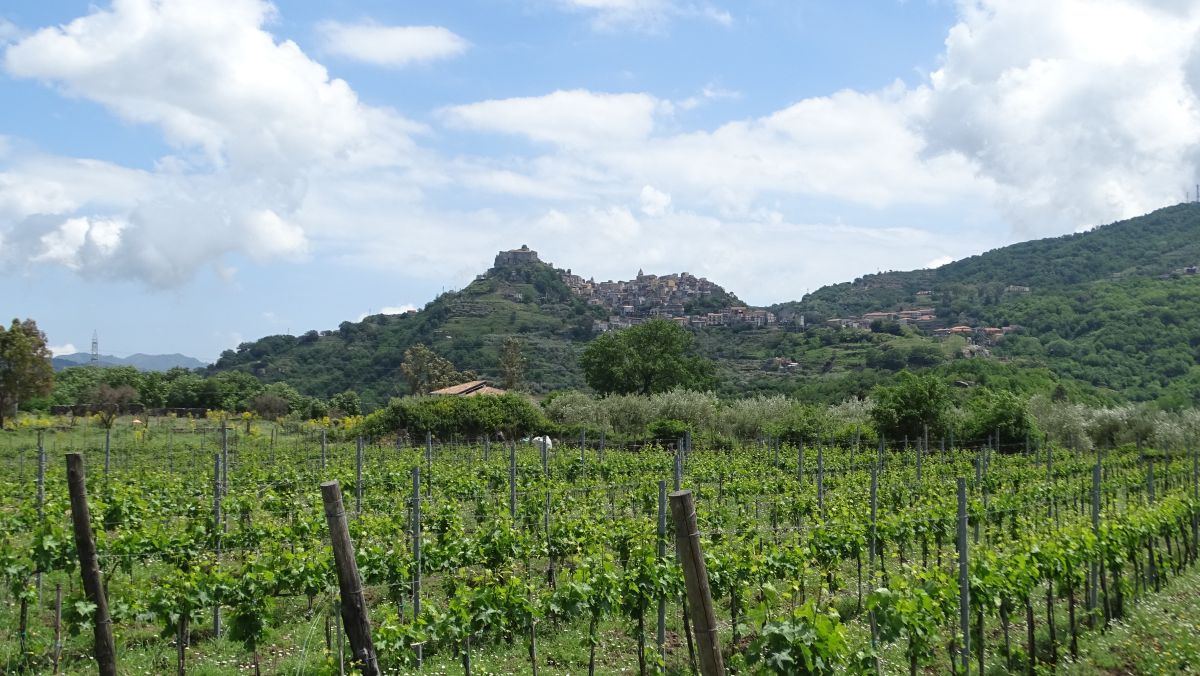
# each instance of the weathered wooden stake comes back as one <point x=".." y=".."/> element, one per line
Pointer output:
<point x="217" y="532"/>
<point x="416" y="530"/>
<point x="358" y="480"/>
<point x="89" y="568"/>
<point x="353" y="605"/>
<point x="512" y="481"/>
<point x="691" y="555"/>
<point x="964" y="585"/>
<point x="661" y="634"/>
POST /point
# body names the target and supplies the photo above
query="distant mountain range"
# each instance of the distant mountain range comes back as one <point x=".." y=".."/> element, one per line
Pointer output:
<point x="1111" y="314"/>
<point x="142" y="362"/>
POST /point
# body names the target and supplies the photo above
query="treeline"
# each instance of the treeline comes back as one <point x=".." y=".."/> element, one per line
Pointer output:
<point x="179" y="388"/>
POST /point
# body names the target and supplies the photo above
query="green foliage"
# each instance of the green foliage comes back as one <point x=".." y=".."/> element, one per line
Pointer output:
<point x="512" y="414"/>
<point x="667" y="429"/>
<point x="652" y="357"/>
<point x="347" y="403"/>
<point x="999" y="412"/>
<point x="425" y="371"/>
<point x="807" y="643"/>
<point x="25" y="367"/>
<point x="909" y="406"/>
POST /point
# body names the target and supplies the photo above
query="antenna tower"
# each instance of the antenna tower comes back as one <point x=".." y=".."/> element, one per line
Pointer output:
<point x="95" y="348"/>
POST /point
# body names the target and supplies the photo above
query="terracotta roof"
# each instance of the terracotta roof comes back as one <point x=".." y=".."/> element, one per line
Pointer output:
<point x="469" y="389"/>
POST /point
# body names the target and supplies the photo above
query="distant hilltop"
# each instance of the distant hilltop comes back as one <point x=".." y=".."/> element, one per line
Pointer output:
<point x="141" y="362"/>
<point x="681" y="297"/>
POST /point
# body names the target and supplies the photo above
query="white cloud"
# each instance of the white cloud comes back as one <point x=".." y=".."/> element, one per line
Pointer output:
<point x="1082" y="112"/>
<point x="254" y="121"/>
<point x="654" y="201"/>
<point x="1050" y="114"/>
<point x="78" y="241"/>
<point x="858" y="147"/>
<point x="576" y="119"/>
<point x="708" y="93"/>
<point x="60" y="350"/>
<point x="393" y="46"/>
<point x="8" y="31"/>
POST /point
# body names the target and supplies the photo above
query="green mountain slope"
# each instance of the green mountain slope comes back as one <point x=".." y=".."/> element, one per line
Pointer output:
<point x="467" y="327"/>
<point x="1107" y="315"/>
<point x="1163" y="242"/>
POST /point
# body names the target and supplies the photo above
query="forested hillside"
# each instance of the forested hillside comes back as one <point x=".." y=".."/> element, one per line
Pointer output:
<point x="1108" y="315"/>
<point x="1164" y="242"/>
<point x="467" y="327"/>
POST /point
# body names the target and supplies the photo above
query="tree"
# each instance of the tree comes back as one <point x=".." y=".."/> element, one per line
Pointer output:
<point x="512" y="363"/>
<point x="914" y="402"/>
<point x="656" y="356"/>
<point x="426" y="371"/>
<point x="25" y="367"/>
<point x="346" y="403"/>
<point x="109" y="402"/>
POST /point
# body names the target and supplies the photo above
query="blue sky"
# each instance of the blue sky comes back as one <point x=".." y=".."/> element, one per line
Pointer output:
<point x="182" y="178"/>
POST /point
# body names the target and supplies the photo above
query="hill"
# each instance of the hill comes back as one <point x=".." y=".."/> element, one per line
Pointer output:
<point x="142" y="362"/>
<point x="1113" y="308"/>
<point x="1106" y="315"/>
<point x="1164" y="242"/>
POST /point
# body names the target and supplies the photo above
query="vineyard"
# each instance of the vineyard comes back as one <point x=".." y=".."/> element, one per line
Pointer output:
<point x="832" y="556"/>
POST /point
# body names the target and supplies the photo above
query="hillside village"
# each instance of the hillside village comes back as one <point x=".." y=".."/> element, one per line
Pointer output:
<point x="683" y="298"/>
<point x="696" y="302"/>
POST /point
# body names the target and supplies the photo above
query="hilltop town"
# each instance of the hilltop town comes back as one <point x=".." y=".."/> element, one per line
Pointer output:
<point x="680" y="297"/>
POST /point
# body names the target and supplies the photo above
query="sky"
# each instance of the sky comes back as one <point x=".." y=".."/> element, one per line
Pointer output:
<point x="183" y="176"/>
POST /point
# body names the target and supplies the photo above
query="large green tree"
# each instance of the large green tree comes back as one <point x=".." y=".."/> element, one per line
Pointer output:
<point x="913" y="403"/>
<point x="25" y="367"/>
<point x="656" y="356"/>
<point x="425" y="370"/>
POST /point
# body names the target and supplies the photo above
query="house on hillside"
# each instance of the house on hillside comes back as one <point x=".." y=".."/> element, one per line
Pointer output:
<point x="468" y="389"/>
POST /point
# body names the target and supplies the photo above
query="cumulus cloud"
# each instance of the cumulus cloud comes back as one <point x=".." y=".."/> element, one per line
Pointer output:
<point x="654" y="202"/>
<point x="1052" y="115"/>
<point x="60" y="350"/>
<point x="251" y="118"/>
<point x="577" y="119"/>
<point x="1081" y="112"/>
<point x="850" y="145"/>
<point x="392" y="46"/>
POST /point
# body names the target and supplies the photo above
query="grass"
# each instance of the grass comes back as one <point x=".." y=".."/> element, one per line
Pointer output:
<point x="1160" y="636"/>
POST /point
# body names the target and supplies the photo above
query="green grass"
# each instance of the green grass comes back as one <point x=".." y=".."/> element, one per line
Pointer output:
<point x="1160" y="636"/>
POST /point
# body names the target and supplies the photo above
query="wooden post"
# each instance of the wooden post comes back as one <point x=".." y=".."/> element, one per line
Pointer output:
<point x="41" y="500"/>
<point x="324" y="447"/>
<point x="661" y="634"/>
<point x="512" y="481"/>
<point x="429" y="464"/>
<point x="691" y="555"/>
<point x="871" y="555"/>
<point x="107" y="449"/>
<point x="217" y="532"/>
<point x="89" y="569"/>
<point x="821" y="480"/>
<point x="416" y="530"/>
<point x="56" y="650"/>
<point x="800" y="463"/>
<point x="1093" y="571"/>
<point x="358" y="464"/>
<point x="353" y="606"/>
<point x="678" y="469"/>
<point x="964" y="585"/>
